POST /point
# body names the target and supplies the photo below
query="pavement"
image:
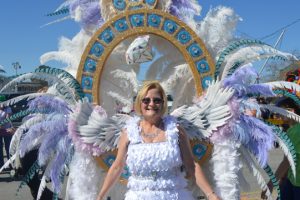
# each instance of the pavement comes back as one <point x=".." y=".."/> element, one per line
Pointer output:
<point x="9" y="185"/>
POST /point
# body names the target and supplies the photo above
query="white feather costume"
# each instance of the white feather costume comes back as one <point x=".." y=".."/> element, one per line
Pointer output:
<point x="217" y="116"/>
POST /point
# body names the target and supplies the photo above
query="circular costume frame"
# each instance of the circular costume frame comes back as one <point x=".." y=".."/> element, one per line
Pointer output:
<point x="140" y="22"/>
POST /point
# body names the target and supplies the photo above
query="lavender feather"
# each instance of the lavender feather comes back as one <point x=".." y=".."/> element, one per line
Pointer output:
<point x="61" y="158"/>
<point x="28" y="141"/>
<point x="261" y="137"/>
<point x="261" y="89"/>
<point x="91" y="14"/>
<point x="48" y="104"/>
<point x="177" y="6"/>
<point x="56" y="129"/>
<point x="242" y="76"/>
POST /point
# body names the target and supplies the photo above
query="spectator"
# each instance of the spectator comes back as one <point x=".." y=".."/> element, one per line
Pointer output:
<point x="289" y="185"/>
<point x="6" y="132"/>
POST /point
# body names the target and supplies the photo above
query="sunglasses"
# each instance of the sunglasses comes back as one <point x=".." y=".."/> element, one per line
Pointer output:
<point x="155" y="100"/>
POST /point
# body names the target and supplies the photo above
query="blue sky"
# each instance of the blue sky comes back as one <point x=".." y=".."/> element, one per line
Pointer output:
<point x="24" y="40"/>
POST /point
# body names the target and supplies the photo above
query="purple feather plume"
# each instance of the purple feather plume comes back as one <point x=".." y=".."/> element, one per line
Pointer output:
<point x="28" y="142"/>
<point x="261" y="137"/>
<point x="63" y="151"/>
<point x="241" y="80"/>
<point x="49" y="104"/>
<point x="241" y="76"/>
<point x="177" y="6"/>
<point x="91" y="13"/>
<point x="56" y="129"/>
<point x="261" y="89"/>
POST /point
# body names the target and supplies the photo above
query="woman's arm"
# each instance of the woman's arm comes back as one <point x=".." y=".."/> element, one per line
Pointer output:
<point x="186" y="154"/>
<point x="194" y="169"/>
<point x="116" y="169"/>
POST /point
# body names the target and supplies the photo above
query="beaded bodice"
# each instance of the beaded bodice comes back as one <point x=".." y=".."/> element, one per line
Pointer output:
<point x="154" y="166"/>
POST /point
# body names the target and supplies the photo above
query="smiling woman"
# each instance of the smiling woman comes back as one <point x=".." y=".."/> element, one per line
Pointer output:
<point x="162" y="172"/>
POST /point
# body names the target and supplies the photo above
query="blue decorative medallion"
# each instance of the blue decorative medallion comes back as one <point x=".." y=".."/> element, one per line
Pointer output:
<point x="154" y="20"/>
<point x="199" y="150"/>
<point x="119" y="4"/>
<point x="90" y="65"/>
<point x="87" y="83"/>
<point x="170" y="26"/>
<point x="202" y="66"/>
<point x="206" y="81"/>
<point x="109" y="159"/>
<point x="150" y="2"/>
<point x="121" y="25"/>
<point x="137" y="20"/>
<point x="183" y="36"/>
<point x="195" y="50"/>
<point x="97" y="49"/>
<point x="107" y="35"/>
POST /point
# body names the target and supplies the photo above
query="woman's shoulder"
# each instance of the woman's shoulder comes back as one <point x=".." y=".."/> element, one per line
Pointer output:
<point x="132" y="129"/>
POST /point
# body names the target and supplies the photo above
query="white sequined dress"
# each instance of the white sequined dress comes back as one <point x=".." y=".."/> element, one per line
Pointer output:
<point x="155" y="168"/>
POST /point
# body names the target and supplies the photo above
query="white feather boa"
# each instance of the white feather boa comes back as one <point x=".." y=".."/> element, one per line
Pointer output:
<point x="226" y="166"/>
<point x="86" y="178"/>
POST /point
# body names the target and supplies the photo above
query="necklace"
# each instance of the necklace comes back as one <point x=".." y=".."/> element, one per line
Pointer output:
<point x="151" y="135"/>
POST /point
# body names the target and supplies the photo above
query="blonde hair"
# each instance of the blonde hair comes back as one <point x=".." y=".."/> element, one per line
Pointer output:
<point x="148" y="85"/>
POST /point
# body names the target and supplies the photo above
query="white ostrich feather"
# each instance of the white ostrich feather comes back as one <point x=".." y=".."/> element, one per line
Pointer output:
<point x="15" y="141"/>
<point x="172" y="81"/>
<point x="69" y="51"/>
<point x="107" y="9"/>
<point x="281" y="111"/>
<point x="22" y="97"/>
<point x="226" y="165"/>
<point x="284" y="85"/>
<point x="288" y="154"/>
<point x="61" y="56"/>
<point x="217" y="28"/>
<point x="85" y="177"/>
<point x="250" y="54"/>
<point x="123" y="100"/>
<point x="42" y="76"/>
<point x="253" y="167"/>
<point x="164" y="5"/>
<point x="163" y="65"/>
<point x="7" y="163"/>
<point x="42" y="187"/>
<point x="130" y="78"/>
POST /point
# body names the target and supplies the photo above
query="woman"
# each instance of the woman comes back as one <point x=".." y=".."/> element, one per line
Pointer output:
<point x="157" y="151"/>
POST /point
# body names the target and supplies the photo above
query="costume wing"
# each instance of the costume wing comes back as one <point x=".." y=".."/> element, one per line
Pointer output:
<point x="207" y="113"/>
<point x="93" y="131"/>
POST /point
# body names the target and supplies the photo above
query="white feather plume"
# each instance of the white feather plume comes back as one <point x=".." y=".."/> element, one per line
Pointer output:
<point x="253" y="167"/>
<point x="281" y="111"/>
<point x="283" y="85"/>
<point x="8" y="163"/>
<point x="130" y="79"/>
<point x="69" y="51"/>
<point x="251" y="53"/>
<point x="217" y="28"/>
